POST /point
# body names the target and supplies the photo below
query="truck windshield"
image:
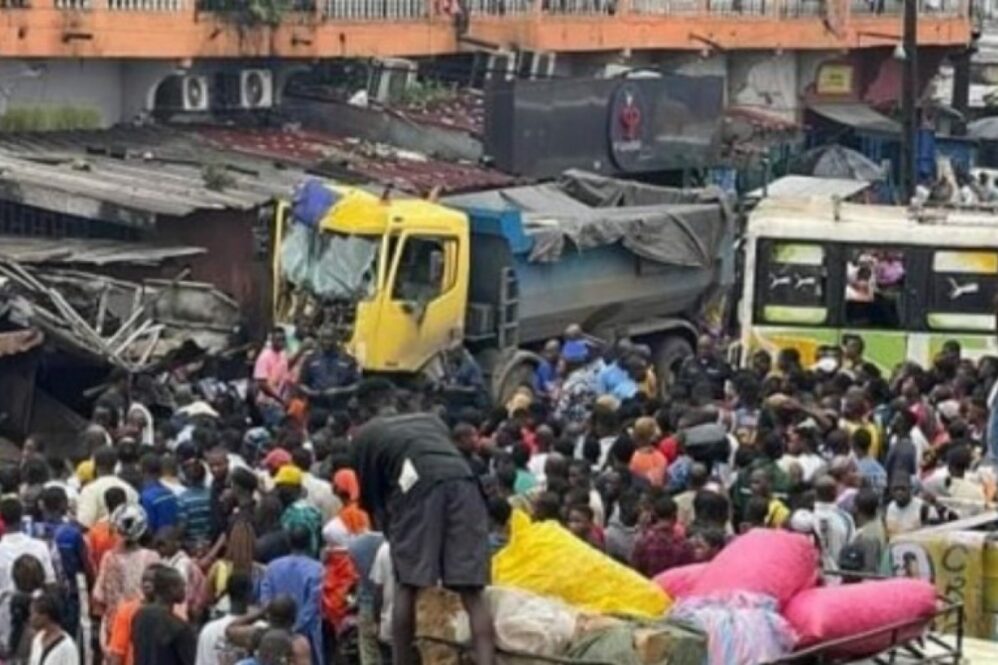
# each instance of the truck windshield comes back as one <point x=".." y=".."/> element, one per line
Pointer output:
<point x="333" y="266"/>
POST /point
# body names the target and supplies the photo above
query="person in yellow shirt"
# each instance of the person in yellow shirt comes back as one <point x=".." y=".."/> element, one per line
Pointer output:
<point x="778" y="513"/>
<point x="854" y="417"/>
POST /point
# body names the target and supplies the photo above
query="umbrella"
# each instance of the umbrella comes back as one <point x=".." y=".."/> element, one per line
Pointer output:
<point x="985" y="129"/>
<point x="835" y="161"/>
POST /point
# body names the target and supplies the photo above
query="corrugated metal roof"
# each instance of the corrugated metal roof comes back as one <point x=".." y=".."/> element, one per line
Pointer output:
<point x="130" y="175"/>
<point x="353" y="159"/>
<point x="806" y="186"/>
<point x="88" y="251"/>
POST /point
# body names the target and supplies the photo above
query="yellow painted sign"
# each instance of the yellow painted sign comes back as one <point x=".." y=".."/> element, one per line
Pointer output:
<point x="961" y="562"/>
<point x="834" y="80"/>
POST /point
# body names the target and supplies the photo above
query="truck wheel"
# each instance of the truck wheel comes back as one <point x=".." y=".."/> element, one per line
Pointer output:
<point x="513" y="377"/>
<point x="670" y="355"/>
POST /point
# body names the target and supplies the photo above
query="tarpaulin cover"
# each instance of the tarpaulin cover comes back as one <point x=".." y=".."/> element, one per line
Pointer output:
<point x="312" y="200"/>
<point x="836" y="161"/>
<point x="663" y="643"/>
<point x="665" y="225"/>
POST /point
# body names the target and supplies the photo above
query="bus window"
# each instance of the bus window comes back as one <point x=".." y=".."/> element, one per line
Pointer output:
<point x="793" y="289"/>
<point x="962" y="291"/>
<point x="874" y="288"/>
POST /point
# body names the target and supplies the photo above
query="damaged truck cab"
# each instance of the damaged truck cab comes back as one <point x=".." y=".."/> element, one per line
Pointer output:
<point x="499" y="272"/>
<point x="401" y="288"/>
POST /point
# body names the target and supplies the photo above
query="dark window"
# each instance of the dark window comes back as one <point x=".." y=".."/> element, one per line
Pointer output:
<point x="793" y="284"/>
<point x="962" y="292"/>
<point x="421" y="275"/>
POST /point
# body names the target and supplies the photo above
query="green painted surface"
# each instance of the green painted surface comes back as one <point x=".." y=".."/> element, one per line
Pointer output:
<point x="886" y="350"/>
<point x="46" y="118"/>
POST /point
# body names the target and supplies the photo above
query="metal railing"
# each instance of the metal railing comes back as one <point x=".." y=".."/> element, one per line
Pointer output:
<point x="783" y="8"/>
<point x="802" y="8"/>
<point x="590" y="7"/>
<point x="374" y="10"/>
<point x="145" y="5"/>
<point x="926" y="8"/>
<point x="667" y="7"/>
<point x="499" y="7"/>
<point x="985" y="11"/>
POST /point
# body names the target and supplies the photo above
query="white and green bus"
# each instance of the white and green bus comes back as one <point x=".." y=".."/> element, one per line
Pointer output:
<point x="904" y="280"/>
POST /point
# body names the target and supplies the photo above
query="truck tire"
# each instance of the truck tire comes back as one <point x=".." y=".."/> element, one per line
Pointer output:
<point x="520" y="371"/>
<point x="670" y="355"/>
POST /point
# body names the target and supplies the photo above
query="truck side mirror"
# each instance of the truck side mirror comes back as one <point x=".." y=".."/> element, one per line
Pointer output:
<point x="436" y="267"/>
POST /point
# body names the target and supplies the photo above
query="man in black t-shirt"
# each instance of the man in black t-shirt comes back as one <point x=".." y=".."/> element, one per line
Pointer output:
<point x="158" y="636"/>
<point x="429" y="503"/>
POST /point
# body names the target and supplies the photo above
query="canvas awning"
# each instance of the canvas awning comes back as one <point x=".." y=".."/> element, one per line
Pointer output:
<point x="858" y="116"/>
<point x="805" y="186"/>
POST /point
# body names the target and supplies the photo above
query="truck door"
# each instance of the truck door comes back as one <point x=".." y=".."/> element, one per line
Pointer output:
<point x="424" y="311"/>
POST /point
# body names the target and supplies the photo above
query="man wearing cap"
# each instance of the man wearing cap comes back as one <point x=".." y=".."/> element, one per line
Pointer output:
<point x="298" y="512"/>
<point x="428" y="501"/>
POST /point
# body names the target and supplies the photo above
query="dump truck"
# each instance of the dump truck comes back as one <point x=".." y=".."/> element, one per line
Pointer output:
<point x="499" y="272"/>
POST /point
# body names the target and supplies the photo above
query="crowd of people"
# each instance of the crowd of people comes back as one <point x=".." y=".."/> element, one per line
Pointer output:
<point x="292" y="518"/>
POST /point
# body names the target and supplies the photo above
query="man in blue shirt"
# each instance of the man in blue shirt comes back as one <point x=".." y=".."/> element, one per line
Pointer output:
<point x="195" y="504"/>
<point x="328" y="376"/>
<point x="615" y="370"/>
<point x="159" y="501"/>
<point x="65" y="538"/>
<point x="546" y="374"/>
<point x="299" y="575"/>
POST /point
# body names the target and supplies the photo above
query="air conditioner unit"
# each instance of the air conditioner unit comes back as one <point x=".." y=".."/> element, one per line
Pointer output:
<point x="500" y="66"/>
<point x="535" y="64"/>
<point x="543" y="65"/>
<point x="389" y="78"/>
<point x="256" y="89"/>
<point x="194" y="93"/>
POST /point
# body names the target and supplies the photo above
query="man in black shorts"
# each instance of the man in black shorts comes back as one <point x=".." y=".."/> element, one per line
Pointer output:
<point x="421" y="491"/>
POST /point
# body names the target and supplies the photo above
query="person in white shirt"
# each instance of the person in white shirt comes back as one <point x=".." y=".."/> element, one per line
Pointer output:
<point x="834" y="526"/>
<point x="15" y="544"/>
<point x="51" y="645"/>
<point x="801" y="447"/>
<point x="213" y="647"/>
<point x="383" y="577"/>
<point x="91" y="506"/>
<point x="905" y="512"/>
<point x="318" y="492"/>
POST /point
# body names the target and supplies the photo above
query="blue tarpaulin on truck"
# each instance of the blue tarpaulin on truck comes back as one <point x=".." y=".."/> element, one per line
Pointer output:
<point x="584" y="211"/>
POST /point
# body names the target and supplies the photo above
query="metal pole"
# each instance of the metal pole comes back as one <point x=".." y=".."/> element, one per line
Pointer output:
<point x="909" y="109"/>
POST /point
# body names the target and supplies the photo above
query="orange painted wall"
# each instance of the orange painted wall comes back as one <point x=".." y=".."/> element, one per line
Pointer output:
<point x="46" y="32"/>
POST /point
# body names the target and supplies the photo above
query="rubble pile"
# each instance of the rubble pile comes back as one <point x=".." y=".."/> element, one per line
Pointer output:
<point x="129" y="325"/>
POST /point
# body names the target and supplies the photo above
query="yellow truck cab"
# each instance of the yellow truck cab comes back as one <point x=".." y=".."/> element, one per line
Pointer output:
<point x="414" y="302"/>
<point x="499" y="272"/>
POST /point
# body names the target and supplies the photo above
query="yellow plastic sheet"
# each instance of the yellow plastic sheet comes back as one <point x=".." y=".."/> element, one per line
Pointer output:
<point x="546" y="559"/>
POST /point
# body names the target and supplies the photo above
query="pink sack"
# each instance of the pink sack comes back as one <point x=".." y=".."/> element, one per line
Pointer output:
<point x="679" y="581"/>
<point x="776" y="563"/>
<point x="831" y="613"/>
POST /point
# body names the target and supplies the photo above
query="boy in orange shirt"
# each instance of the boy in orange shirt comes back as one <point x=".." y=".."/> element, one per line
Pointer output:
<point x="119" y="644"/>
